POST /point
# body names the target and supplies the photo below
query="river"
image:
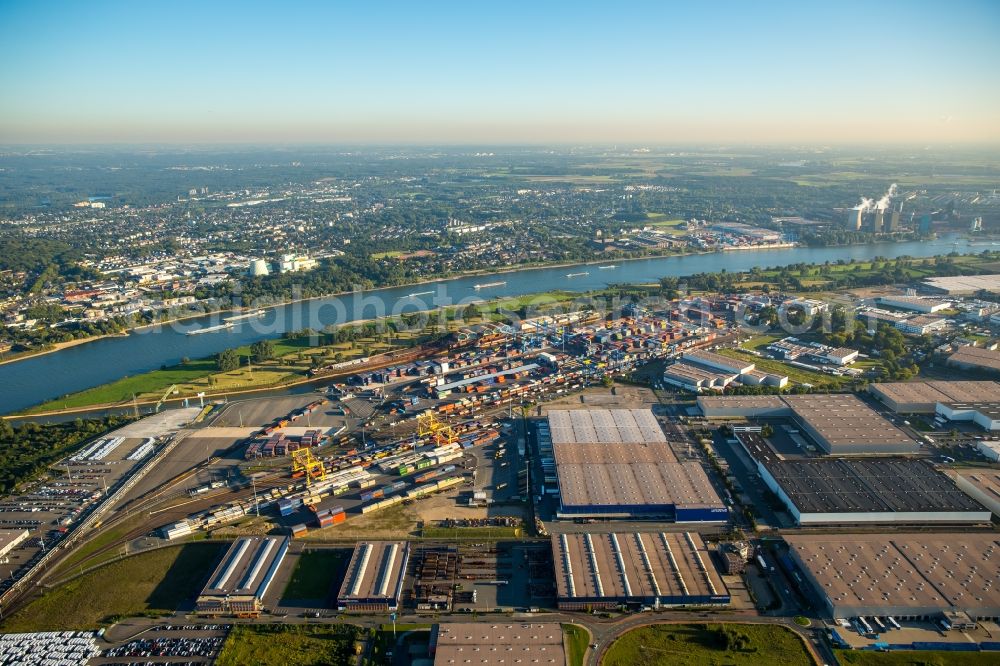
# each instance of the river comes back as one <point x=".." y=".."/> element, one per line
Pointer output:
<point x="37" y="379"/>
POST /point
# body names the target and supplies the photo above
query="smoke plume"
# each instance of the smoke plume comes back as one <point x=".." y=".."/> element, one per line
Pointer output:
<point x="883" y="203"/>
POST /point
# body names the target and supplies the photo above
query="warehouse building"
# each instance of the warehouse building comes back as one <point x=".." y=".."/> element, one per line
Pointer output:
<point x="982" y="485"/>
<point x="921" y="324"/>
<point x="848" y="491"/>
<point x="239" y="583"/>
<point x="990" y="450"/>
<point x="986" y="415"/>
<point x="838" y="422"/>
<point x="923" y="397"/>
<point x="694" y="378"/>
<point x="907" y="576"/>
<point x="11" y="539"/>
<point x="964" y="285"/>
<point x="702" y="370"/>
<point x="976" y="358"/>
<point x="493" y="644"/>
<point x="374" y="580"/>
<point x="445" y="389"/>
<point x="618" y="464"/>
<point x="744" y="406"/>
<point x="719" y="362"/>
<point x="914" y="303"/>
<point x="652" y="569"/>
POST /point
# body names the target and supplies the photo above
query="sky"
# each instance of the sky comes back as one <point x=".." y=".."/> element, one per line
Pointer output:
<point x="474" y="72"/>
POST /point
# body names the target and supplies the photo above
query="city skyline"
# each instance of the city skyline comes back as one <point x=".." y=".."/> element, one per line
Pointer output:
<point x="499" y="74"/>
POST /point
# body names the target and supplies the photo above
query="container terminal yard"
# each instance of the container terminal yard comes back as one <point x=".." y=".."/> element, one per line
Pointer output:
<point x="500" y="475"/>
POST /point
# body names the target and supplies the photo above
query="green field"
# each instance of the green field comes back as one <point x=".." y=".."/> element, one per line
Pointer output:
<point x="663" y="223"/>
<point x="314" y="574"/>
<point x="915" y="658"/>
<point x="84" y="551"/>
<point x="118" y="391"/>
<point x="153" y="583"/>
<point x="288" y="645"/>
<point x="711" y="644"/>
<point x="576" y="639"/>
<point x="820" y="276"/>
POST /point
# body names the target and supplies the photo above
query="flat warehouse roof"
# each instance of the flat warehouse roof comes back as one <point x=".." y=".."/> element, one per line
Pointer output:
<point x="621" y="458"/>
<point x="870" y="485"/>
<point x="844" y="422"/>
<point x="903" y="393"/>
<point x="900" y="571"/>
<point x="734" y="364"/>
<point x="839" y="422"/>
<point x="375" y="571"/>
<point x="486" y="643"/>
<point x="742" y="402"/>
<point x="604" y="426"/>
<point x="246" y="566"/>
<point x="610" y="454"/>
<point x="965" y="284"/>
<point x="986" y="480"/>
<point x="9" y="538"/>
<point x="683" y="370"/>
<point x="984" y="358"/>
<point x="634" y="565"/>
<point x="482" y="378"/>
<point x="635" y="484"/>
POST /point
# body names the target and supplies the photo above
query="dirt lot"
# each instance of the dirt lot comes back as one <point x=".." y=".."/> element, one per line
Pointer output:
<point x="598" y="397"/>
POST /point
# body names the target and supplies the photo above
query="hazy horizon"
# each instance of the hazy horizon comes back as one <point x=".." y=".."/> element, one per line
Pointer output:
<point x="895" y="74"/>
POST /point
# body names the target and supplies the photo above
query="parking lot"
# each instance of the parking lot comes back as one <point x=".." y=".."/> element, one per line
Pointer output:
<point x="168" y="644"/>
<point x="258" y="412"/>
<point x="51" y="507"/>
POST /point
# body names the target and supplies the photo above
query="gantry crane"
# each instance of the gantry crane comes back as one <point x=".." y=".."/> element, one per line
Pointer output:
<point x="303" y="461"/>
<point x="439" y="431"/>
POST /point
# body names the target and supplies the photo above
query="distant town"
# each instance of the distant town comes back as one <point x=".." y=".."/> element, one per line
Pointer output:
<point x="795" y="458"/>
<point x="103" y="264"/>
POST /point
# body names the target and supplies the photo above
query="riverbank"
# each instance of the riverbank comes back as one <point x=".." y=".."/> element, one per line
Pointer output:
<point x="294" y="301"/>
<point x="52" y="377"/>
<point x="290" y="375"/>
<point x="59" y="346"/>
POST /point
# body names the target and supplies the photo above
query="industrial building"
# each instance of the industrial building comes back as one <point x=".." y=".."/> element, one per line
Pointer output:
<point x="838" y="422"/>
<point x="990" y="450"/>
<point x="982" y="485"/>
<point x="239" y="583"/>
<point x="445" y="389"/>
<point x="11" y="539"/>
<point x="923" y="397"/>
<point x="921" y="324"/>
<point x="964" y="285"/>
<point x="914" y="303"/>
<point x="986" y="415"/>
<point x="719" y="362"/>
<point x="618" y="463"/>
<point x="374" y="580"/>
<point x="652" y="569"/>
<point x="907" y="576"/>
<point x="846" y="491"/>
<point x="976" y="358"/>
<point x="701" y="370"/>
<point x="492" y="644"/>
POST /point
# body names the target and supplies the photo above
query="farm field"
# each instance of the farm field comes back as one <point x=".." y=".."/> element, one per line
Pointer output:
<point x="708" y="644"/>
<point x="152" y="583"/>
<point x="289" y="645"/>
